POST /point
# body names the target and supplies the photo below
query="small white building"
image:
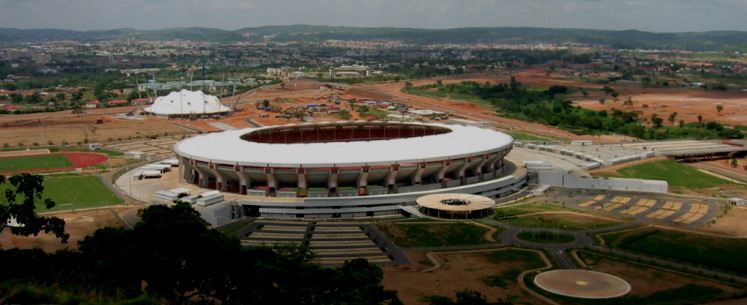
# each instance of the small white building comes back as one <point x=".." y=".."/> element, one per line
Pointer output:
<point x="135" y="154"/>
<point x="737" y="201"/>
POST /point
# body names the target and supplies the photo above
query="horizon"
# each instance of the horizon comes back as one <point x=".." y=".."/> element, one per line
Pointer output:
<point x="666" y="16"/>
<point x="364" y="27"/>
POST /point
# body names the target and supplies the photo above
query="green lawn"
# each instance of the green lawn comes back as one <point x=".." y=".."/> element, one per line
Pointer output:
<point x="525" y="136"/>
<point x="76" y="192"/>
<point x="677" y="174"/>
<point x="559" y="221"/>
<point x="520" y="260"/>
<point x="33" y="162"/>
<point x="545" y="237"/>
<point x="723" y="253"/>
<point x="433" y="234"/>
<point x="519" y="209"/>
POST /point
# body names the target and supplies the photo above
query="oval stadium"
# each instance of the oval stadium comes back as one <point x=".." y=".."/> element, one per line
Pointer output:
<point x="342" y="159"/>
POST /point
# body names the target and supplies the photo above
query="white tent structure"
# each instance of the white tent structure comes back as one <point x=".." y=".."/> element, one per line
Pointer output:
<point x="187" y="102"/>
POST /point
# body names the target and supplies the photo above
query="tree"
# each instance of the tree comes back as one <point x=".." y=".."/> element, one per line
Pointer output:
<point x="719" y="108"/>
<point x="656" y="120"/>
<point x="734" y="163"/>
<point x="602" y="100"/>
<point x="408" y="84"/>
<point x="700" y="119"/>
<point x="22" y="193"/>
<point x="628" y="102"/>
<point x="672" y="117"/>
<point x="60" y="96"/>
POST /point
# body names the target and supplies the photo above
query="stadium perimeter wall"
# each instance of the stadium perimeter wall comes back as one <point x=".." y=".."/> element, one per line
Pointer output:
<point x="568" y="180"/>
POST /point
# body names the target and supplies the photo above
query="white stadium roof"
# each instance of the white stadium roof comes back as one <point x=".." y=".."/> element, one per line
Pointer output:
<point x="228" y="148"/>
<point x="187" y="102"/>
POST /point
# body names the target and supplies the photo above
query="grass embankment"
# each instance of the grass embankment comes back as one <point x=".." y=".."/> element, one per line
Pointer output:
<point x="12" y="164"/>
<point x="433" y="234"/>
<point x="520" y="260"/>
<point x="678" y="175"/>
<point x="724" y="253"/>
<point x="512" y="216"/>
<point x="74" y="192"/>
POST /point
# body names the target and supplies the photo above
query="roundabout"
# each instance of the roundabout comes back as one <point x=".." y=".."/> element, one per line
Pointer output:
<point x="583" y="284"/>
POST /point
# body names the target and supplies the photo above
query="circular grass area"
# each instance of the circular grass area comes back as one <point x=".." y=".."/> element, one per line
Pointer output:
<point x="545" y="237"/>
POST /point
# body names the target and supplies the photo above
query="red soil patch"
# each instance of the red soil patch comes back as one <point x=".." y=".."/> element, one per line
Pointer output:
<point x="84" y="159"/>
<point x="79" y="160"/>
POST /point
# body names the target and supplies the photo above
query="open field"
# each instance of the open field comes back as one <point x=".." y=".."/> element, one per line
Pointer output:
<point x="65" y="126"/>
<point x="652" y="286"/>
<point x="16" y="164"/>
<point x="723" y="253"/>
<point x="74" y="192"/>
<point x="493" y="273"/>
<point x="688" y="103"/>
<point x="433" y="234"/>
<point x="78" y="224"/>
<point x="732" y="223"/>
<point x="565" y="221"/>
<point x="678" y="175"/>
<point x="63" y="161"/>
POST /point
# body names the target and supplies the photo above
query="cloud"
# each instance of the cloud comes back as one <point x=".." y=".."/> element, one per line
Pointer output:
<point x="659" y="15"/>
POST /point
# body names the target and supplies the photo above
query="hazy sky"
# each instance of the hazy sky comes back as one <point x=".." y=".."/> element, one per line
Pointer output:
<point x="650" y="15"/>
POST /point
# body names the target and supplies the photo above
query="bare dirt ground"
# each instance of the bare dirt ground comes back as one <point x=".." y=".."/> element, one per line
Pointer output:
<point x="730" y="224"/>
<point x="646" y="281"/>
<point x="78" y="224"/>
<point x="688" y="103"/>
<point x="66" y="126"/>
<point x="724" y="167"/>
<point x="460" y="271"/>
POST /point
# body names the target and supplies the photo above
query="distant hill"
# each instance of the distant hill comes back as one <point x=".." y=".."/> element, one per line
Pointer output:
<point x="718" y="40"/>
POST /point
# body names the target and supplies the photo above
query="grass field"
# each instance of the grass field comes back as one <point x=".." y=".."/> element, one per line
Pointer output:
<point x="76" y="192"/>
<point x="678" y="175"/>
<point x="559" y="221"/>
<point x="525" y="136"/>
<point x="723" y="253"/>
<point x="514" y="210"/>
<point x="33" y="162"/>
<point x="433" y="234"/>
<point x="521" y="260"/>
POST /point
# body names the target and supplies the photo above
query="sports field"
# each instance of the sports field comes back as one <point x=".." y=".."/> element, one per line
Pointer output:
<point x="74" y="192"/>
<point x="61" y="161"/>
<point x="14" y="164"/>
<point x="677" y="174"/>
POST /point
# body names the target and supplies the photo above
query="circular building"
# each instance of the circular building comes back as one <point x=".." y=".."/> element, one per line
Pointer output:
<point x="343" y="159"/>
<point x="186" y="103"/>
<point x="584" y="284"/>
<point x="448" y="205"/>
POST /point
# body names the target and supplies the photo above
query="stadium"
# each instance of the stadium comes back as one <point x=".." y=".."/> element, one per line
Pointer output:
<point x="343" y="159"/>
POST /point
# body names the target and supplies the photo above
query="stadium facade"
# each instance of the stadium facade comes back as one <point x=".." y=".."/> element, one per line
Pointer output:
<point x="362" y="168"/>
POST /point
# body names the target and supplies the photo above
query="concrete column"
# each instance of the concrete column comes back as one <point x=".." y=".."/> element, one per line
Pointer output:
<point x="461" y="173"/>
<point x="202" y="180"/>
<point x="442" y="170"/>
<point x="391" y="177"/>
<point x="480" y="166"/>
<point x="418" y="177"/>
<point x="363" y="181"/>
<point x="332" y="180"/>
<point x="220" y="179"/>
<point x="243" y="179"/>
<point x="302" y="185"/>
<point x="272" y="181"/>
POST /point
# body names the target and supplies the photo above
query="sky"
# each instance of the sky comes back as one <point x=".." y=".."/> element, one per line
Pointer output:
<point x="646" y="15"/>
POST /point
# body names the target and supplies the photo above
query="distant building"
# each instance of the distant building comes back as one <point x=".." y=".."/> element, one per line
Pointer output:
<point x="354" y="71"/>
